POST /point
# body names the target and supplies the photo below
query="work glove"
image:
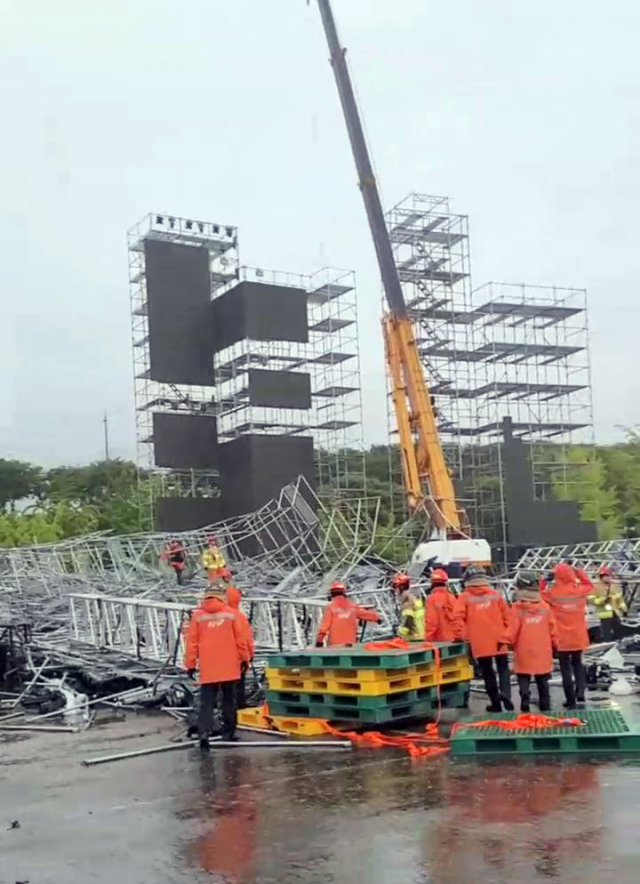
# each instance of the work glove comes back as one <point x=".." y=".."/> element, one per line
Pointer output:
<point x="319" y="644"/>
<point x="243" y="668"/>
<point x="191" y="673"/>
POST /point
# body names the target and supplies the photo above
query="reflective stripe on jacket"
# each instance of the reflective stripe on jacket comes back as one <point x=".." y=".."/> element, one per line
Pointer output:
<point x="440" y="625"/>
<point x="533" y="635"/>
<point x="340" y="621"/>
<point x="608" y="600"/>
<point x="567" y="596"/>
<point x="412" y="626"/>
<point x="215" y="641"/>
<point x="482" y="617"/>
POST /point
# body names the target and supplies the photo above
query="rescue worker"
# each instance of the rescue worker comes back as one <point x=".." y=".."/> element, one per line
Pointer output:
<point x="176" y="557"/>
<point x="234" y="596"/>
<point x="341" y="617"/>
<point x="567" y="596"/>
<point x="213" y="561"/>
<point x="216" y="642"/>
<point x="534" y="637"/>
<point x="482" y="619"/>
<point x="609" y="603"/>
<point x="411" y="608"/>
<point x="440" y="618"/>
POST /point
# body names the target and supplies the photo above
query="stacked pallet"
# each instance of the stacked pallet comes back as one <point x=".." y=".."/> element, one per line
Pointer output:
<point x="365" y="687"/>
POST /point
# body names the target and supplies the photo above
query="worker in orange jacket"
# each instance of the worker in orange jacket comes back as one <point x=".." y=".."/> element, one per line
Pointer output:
<point x="216" y="641"/>
<point x="234" y="597"/>
<point x="482" y="619"/>
<point x="341" y="617"/>
<point x="567" y="596"/>
<point x="440" y="618"/>
<point x="534" y="637"/>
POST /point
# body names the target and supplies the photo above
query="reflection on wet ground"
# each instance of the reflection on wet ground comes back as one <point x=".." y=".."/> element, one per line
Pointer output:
<point x="370" y="816"/>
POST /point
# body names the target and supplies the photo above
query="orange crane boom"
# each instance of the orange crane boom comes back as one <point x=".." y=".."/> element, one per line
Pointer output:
<point x="427" y="479"/>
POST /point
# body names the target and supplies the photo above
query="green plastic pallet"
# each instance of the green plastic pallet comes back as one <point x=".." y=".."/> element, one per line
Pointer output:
<point x="382" y="715"/>
<point x="357" y="701"/>
<point x="357" y="657"/>
<point x="605" y="731"/>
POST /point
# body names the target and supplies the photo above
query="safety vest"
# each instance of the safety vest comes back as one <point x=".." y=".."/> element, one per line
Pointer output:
<point x="412" y="618"/>
<point x="608" y="600"/>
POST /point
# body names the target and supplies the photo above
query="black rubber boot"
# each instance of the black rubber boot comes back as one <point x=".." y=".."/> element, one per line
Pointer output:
<point x="494" y="707"/>
<point x="524" y="707"/>
<point x="508" y="705"/>
<point x="204" y="743"/>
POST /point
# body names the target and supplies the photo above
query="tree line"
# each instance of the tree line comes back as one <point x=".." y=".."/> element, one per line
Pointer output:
<point x="43" y="506"/>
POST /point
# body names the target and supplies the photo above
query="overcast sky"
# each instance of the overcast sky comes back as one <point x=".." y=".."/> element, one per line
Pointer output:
<point x="525" y="114"/>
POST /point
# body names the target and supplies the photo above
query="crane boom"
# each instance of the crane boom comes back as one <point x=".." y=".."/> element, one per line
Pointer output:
<point x="426" y="476"/>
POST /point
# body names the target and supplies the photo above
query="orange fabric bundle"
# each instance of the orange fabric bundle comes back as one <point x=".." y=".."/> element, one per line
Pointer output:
<point x="524" y="721"/>
<point x="417" y="745"/>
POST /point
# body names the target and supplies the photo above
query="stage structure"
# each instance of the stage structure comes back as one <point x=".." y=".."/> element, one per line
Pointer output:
<point x="508" y="367"/>
<point x="245" y="378"/>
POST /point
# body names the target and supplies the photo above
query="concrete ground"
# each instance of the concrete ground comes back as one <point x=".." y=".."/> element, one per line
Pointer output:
<point x="371" y="815"/>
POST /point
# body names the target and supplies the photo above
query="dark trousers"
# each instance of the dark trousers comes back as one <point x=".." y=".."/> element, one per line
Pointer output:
<point x="571" y="668"/>
<point x="489" y="676"/>
<point x="524" y="685"/>
<point x="208" y="697"/>
<point x="611" y="629"/>
<point x="242" y="692"/>
<point x="179" y="576"/>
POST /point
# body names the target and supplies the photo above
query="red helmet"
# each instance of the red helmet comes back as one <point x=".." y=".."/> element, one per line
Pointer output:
<point x="401" y="581"/>
<point x="338" y="588"/>
<point x="439" y="575"/>
<point x="605" y="571"/>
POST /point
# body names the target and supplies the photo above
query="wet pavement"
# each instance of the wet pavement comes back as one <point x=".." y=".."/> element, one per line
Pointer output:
<point x="369" y="816"/>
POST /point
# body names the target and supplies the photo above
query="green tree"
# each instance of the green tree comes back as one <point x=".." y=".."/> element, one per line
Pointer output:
<point x="19" y="481"/>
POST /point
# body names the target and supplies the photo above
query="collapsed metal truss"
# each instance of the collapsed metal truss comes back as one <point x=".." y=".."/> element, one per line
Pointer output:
<point x="114" y="594"/>
<point x="623" y="556"/>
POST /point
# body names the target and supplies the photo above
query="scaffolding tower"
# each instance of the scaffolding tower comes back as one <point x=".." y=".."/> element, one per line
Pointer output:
<point x="330" y="357"/>
<point x="221" y="242"/>
<point x="501" y="351"/>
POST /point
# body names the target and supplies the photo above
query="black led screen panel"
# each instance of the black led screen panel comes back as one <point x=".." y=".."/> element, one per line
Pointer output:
<point x="186" y="513"/>
<point x="537" y="522"/>
<point x="255" y="468"/>
<point x="179" y="304"/>
<point x="260" y="312"/>
<point x="185" y="441"/>
<point x="279" y="389"/>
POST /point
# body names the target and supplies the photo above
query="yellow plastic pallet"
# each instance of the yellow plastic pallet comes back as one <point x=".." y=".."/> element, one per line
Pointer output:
<point x="305" y="727"/>
<point x="380" y="688"/>
<point x="366" y="675"/>
<point x="287" y="724"/>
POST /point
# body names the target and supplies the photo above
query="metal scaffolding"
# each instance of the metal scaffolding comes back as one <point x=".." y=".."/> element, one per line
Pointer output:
<point x="331" y="357"/>
<point x="500" y="351"/>
<point x="221" y="241"/>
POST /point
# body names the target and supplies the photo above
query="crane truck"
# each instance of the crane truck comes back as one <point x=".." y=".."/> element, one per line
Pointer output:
<point x="427" y="481"/>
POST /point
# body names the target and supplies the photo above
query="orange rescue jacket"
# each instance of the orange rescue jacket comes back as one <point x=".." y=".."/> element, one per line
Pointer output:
<point x="340" y="621"/>
<point x="482" y="618"/>
<point x="567" y="596"/>
<point x="215" y="640"/>
<point x="533" y="635"/>
<point x="234" y="595"/>
<point x="440" y="618"/>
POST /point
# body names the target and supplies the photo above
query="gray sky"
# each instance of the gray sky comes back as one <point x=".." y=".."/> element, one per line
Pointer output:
<point x="526" y="114"/>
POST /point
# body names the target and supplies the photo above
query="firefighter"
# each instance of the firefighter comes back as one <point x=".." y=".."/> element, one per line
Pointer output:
<point x="217" y="643"/>
<point x="440" y="623"/>
<point x="176" y="557"/>
<point x="213" y="561"/>
<point x="567" y="596"/>
<point x="411" y="607"/>
<point x="482" y="619"/>
<point x="341" y="617"/>
<point x="234" y="596"/>
<point x="534" y="637"/>
<point x="609" y="603"/>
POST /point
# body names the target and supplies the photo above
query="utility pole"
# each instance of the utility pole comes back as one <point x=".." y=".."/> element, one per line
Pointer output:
<point x="106" y="436"/>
